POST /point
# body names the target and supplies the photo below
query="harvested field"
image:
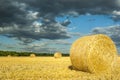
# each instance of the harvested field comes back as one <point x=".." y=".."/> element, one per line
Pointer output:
<point x="46" y="68"/>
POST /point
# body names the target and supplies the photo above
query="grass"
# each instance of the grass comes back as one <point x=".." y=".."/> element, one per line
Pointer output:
<point x="45" y="68"/>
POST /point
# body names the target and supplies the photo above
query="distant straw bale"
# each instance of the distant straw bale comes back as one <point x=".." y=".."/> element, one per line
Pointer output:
<point x="94" y="54"/>
<point x="57" y="55"/>
<point x="32" y="55"/>
<point x="9" y="56"/>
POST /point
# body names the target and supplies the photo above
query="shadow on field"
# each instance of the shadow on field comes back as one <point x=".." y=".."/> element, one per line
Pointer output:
<point x="73" y="68"/>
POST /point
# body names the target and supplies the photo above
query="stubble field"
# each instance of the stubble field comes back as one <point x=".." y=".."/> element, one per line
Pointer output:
<point x="47" y="68"/>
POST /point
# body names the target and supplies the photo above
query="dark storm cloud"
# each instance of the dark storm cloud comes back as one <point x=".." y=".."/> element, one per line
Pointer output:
<point x="18" y="9"/>
<point x="112" y="31"/>
<point x="12" y="12"/>
<point x="29" y="20"/>
<point x="81" y="6"/>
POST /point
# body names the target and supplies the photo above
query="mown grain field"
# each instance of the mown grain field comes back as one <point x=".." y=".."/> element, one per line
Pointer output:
<point x="46" y="68"/>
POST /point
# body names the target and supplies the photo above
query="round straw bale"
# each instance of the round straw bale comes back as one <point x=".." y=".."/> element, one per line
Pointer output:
<point x="32" y="55"/>
<point x="94" y="54"/>
<point x="118" y="59"/>
<point x="9" y="56"/>
<point x="58" y="55"/>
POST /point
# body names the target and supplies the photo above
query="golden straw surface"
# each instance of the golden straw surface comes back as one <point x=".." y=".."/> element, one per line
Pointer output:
<point x="94" y="54"/>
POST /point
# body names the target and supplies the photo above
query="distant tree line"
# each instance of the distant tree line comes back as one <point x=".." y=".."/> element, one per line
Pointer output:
<point x="14" y="53"/>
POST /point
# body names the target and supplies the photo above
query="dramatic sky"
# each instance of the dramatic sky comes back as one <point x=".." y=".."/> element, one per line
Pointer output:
<point x="52" y="25"/>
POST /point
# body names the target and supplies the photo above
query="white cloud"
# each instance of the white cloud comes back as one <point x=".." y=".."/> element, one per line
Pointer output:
<point x="73" y="13"/>
<point x="37" y="26"/>
<point x="32" y="15"/>
<point x="116" y="13"/>
<point x="8" y="28"/>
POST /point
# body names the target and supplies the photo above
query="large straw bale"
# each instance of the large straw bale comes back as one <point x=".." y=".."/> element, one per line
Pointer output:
<point x="94" y="54"/>
<point x="57" y="55"/>
<point x="118" y="59"/>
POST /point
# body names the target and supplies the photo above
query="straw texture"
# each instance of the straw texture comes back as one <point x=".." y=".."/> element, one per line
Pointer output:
<point x="94" y="54"/>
